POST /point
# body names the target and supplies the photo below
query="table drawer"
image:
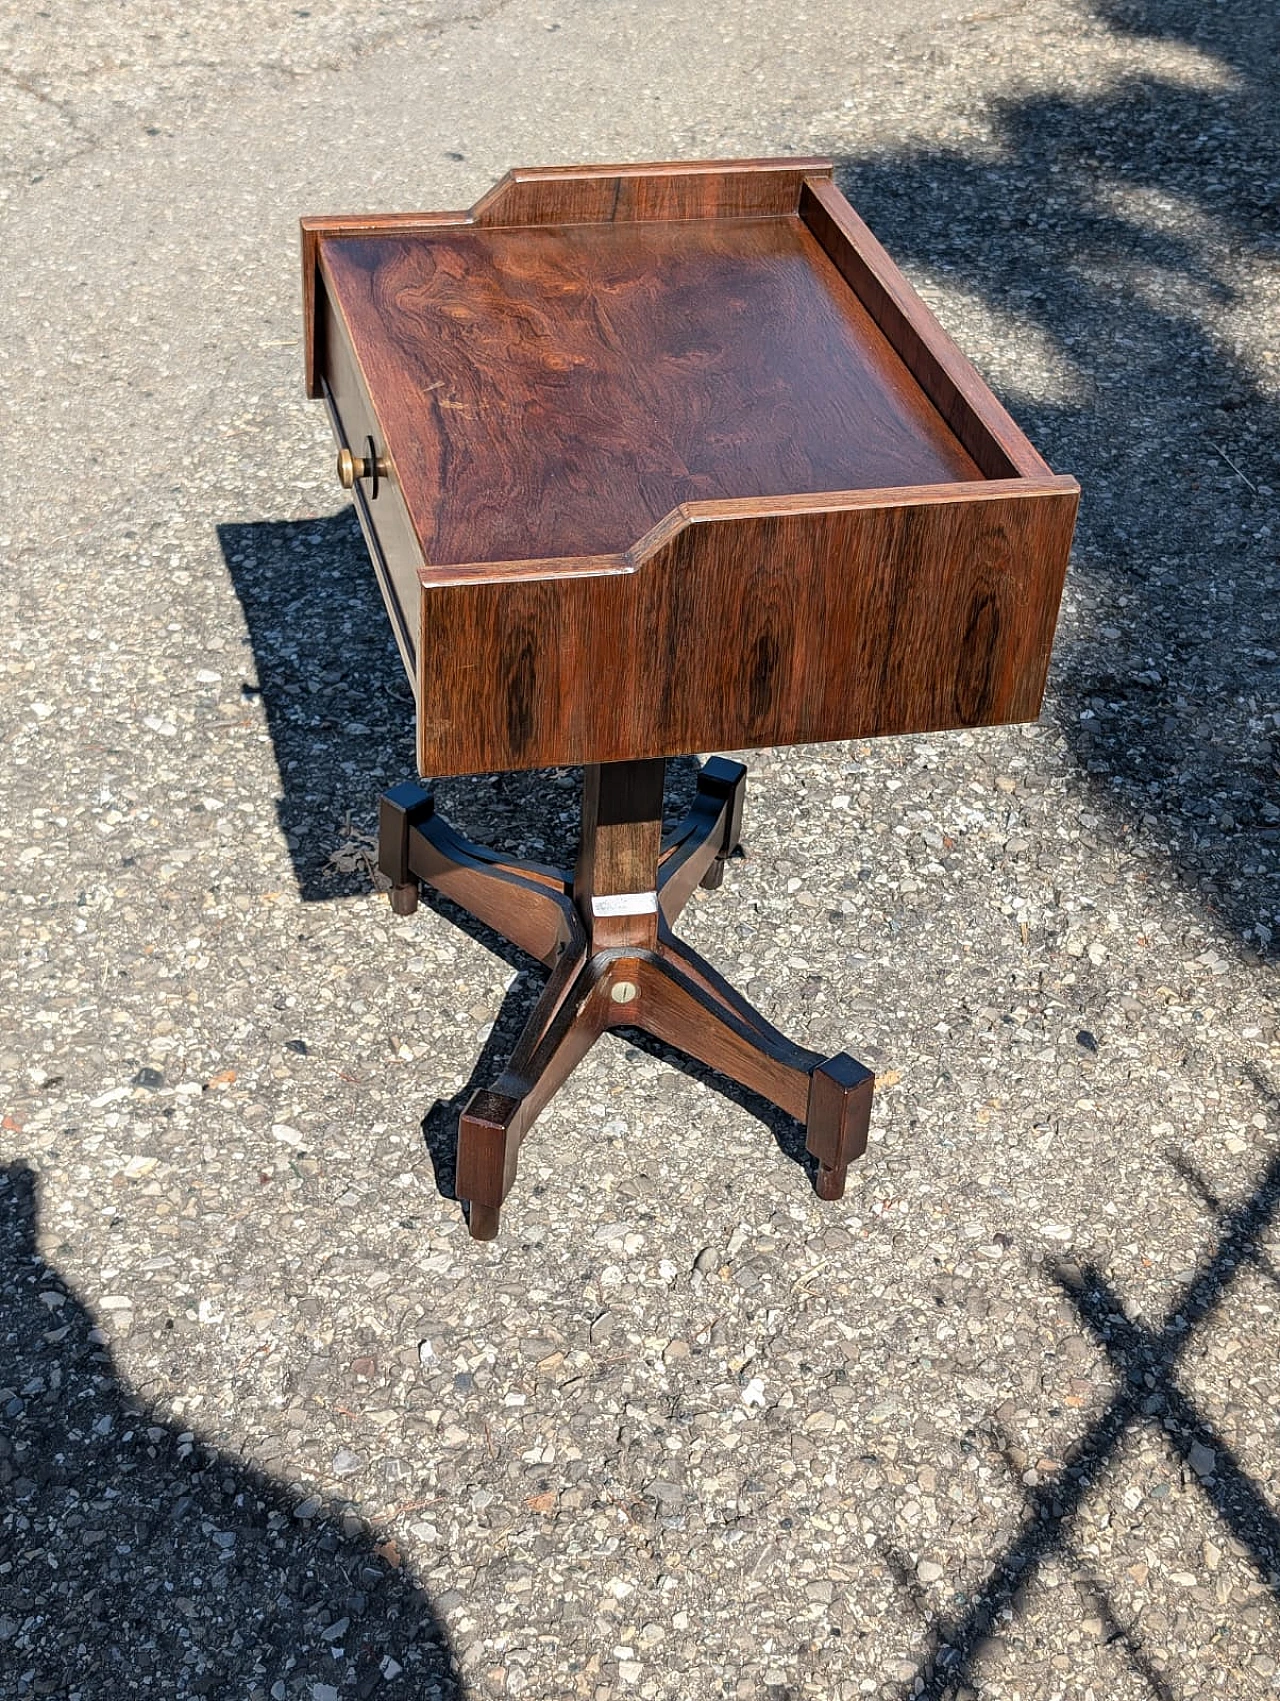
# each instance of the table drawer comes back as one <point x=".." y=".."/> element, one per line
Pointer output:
<point x="384" y="518"/>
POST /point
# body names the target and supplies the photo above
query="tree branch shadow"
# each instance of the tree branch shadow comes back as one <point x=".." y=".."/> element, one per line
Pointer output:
<point x="1111" y="230"/>
<point x="1117" y="231"/>
<point x="1144" y="1361"/>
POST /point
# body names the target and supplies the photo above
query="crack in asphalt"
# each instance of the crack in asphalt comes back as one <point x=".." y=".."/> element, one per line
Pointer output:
<point x="37" y="166"/>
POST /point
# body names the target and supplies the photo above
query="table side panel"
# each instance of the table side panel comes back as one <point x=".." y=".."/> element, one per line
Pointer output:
<point x="755" y="630"/>
<point x="385" y="515"/>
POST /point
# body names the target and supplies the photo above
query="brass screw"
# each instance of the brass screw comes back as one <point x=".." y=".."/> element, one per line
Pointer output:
<point x="623" y="991"/>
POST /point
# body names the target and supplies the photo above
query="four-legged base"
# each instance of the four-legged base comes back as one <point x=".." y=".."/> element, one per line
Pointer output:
<point x="605" y="933"/>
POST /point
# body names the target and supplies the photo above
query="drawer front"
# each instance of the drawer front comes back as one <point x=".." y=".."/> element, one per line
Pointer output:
<point x="384" y="519"/>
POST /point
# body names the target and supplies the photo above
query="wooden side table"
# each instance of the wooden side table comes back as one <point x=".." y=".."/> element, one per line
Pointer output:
<point x="653" y="459"/>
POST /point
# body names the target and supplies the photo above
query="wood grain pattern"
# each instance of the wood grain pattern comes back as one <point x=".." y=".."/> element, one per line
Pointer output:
<point x="313" y="232"/>
<point x="747" y="628"/>
<point x="556" y="392"/>
<point x="575" y="194"/>
<point x="943" y="373"/>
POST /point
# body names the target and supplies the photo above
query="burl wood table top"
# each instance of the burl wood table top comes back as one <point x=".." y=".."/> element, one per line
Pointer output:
<point x="557" y="391"/>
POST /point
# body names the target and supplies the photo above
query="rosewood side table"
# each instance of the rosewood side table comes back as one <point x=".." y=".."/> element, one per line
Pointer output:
<point x="655" y="459"/>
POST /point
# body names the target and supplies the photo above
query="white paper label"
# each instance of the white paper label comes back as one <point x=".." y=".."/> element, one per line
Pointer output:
<point x="625" y="903"/>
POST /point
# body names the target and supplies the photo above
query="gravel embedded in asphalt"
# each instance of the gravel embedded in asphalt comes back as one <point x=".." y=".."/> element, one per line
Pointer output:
<point x="1004" y="1422"/>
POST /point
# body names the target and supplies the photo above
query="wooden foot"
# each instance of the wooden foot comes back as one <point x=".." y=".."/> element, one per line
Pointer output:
<point x="606" y="934"/>
<point x="483" y="1221"/>
<point x="562" y="1028"/>
<point x="713" y="879"/>
<point x="695" y="853"/>
<point x="830" y="1182"/>
<point x="837" y="1118"/>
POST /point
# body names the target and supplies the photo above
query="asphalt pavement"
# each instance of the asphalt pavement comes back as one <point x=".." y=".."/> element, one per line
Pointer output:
<point x="1003" y="1423"/>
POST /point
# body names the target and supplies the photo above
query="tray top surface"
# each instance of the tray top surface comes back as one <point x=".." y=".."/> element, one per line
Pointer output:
<point x="555" y="391"/>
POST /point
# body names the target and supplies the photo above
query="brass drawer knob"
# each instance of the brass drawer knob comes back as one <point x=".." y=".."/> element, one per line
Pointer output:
<point x="370" y="465"/>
